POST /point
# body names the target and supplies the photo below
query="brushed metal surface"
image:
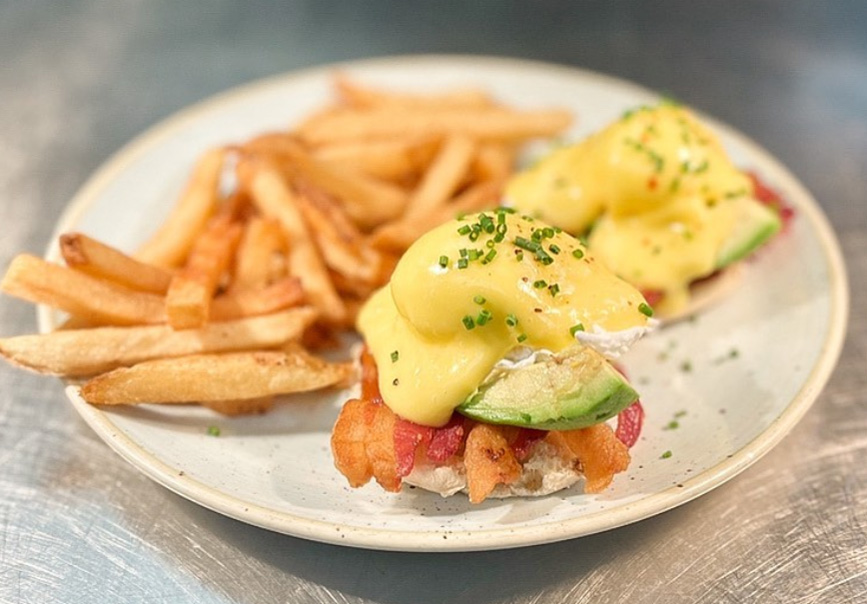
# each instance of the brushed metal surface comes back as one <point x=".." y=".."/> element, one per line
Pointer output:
<point x="80" y="78"/>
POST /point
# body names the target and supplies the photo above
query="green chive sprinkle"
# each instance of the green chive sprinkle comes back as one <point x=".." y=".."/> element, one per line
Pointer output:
<point x="554" y="289"/>
<point x="489" y="256"/>
<point x="479" y="299"/>
<point x="395" y="355"/>
<point x="555" y="249"/>
<point x="540" y="284"/>
<point x="483" y="317"/>
<point x="511" y="320"/>
<point x="575" y="329"/>
<point x="444" y="261"/>
<point x="665" y="455"/>
<point x="463" y="252"/>
<point x="522" y="337"/>
<point x="645" y="309"/>
<point x="468" y="322"/>
<point x="462" y="263"/>
<point x="578" y="253"/>
<point x="464" y="230"/>
<point x="519" y="255"/>
<point x="213" y="431"/>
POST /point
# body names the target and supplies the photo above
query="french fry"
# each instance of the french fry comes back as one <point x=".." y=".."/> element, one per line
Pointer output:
<point x="103" y="261"/>
<point x="442" y="177"/>
<point x="189" y="297"/>
<point x="261" y="255"/>
<point x="399" y="235"/>
<point x="494" y="124"/>
<point x="82" y="352"/>
<point x="400" y="160"/>
<point x="169" y="246"/>
<point x="369" y="201"/>
<point x="276" y="200"/>
<point x="98" y="302"/>
<point x="342" y="251"/>
<point x="248" y="406"/>
<point x="282" y="294"/>
<point x="214" y="377"/>
<point x="493" y="161"/>
<point x="354" y="94"/>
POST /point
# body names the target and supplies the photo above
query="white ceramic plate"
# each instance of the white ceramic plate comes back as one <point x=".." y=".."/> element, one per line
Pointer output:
<point x="737" y="378"/>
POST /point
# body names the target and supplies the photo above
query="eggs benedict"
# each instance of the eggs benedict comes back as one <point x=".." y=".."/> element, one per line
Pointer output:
<point x="658" y="199"/>
<point x="486" y="365"/>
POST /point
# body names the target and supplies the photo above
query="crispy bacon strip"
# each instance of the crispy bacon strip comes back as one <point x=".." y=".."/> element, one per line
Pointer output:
<point x="597" y="449"/>
<point x="489" y="461"/>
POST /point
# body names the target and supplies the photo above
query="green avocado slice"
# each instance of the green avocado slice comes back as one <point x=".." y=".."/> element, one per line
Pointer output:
<point x="563" y="392"/>
<point x="756" y="224"/>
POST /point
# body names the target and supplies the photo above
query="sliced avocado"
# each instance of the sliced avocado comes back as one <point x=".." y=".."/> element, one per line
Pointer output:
<point x="563" y="392"/>
<point x="756" y="224"/>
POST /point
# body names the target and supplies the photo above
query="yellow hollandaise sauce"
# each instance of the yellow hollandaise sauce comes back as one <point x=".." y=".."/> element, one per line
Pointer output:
<point x="472" y="290"/>
<point x="657" y="188"/>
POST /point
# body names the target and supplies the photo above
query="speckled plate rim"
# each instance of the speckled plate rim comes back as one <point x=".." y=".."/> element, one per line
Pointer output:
<point x="482" y="539"/>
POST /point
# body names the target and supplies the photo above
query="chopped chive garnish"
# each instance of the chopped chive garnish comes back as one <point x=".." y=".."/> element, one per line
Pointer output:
<point x="519" y="255"/>
<point x="548" y="232"/>
<point x="213" y="430"/>
<point x="575" y="329"/>
<point x="578" y="253"/>
<point x="540" y="284"/>
<point x="395" y="355"/>
<point x="522" y="337"/>
<point x="474" y="235"/>
<point x="665" y="455"/>
<point x="526" y="244"/>
<point x="554" y="289"/>
<point x="468" y="322"/>
<point x="464" y="230"/>
<point x="489" y="256"/>
<point x="645" y="309"/>
<point x="511" y="320"/>
<point x="555" y="249"/>
<point x="475" y="254"/>
<point x="483" y="317"/>
<point x="537" y="236"/>
<point x="463" y="252"/>
<point x="444" y="261"/>
<point x="479" y="299"/>
<point x="462" y="263"/>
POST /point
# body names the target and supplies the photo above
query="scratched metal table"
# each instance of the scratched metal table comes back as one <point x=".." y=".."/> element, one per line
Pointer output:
<point x="80" y="78"/>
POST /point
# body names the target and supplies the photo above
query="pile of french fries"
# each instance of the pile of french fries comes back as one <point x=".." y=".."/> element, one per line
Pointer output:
<point x="227" y="303"/>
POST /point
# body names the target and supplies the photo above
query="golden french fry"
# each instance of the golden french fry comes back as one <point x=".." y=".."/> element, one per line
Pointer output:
<point x="214" y="377"/>
<point x="103" y="261"/>
<point x="81" y="352"/>
<point x="399" y="160"/>
<point x="261" y="255"/>
<point x="357" y="95"/>
<point x="494" y="162"/>
<point x="97" y="301"/>
<point x="369" y="201"/>
<point x="282" y="294"/>
<point x="235" y="407"/>
<point x="442" y="177"/>
<point x="189" y="296"/>
<point x="275" y="199"/>
<point x="399" y="235"/>
<point x="344" y="252"/>
<point x="495" y="124"/>
<point x="169" y="246"/>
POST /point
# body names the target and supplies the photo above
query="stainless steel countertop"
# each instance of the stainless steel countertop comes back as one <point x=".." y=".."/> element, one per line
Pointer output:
<point x="80" y="78"/>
